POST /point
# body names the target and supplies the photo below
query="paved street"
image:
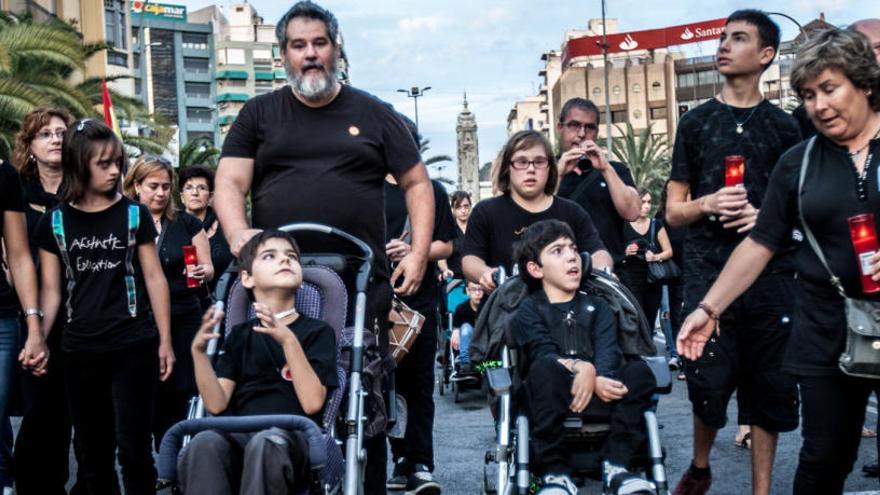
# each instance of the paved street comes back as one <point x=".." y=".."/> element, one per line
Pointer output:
<point x="463" y="432"/>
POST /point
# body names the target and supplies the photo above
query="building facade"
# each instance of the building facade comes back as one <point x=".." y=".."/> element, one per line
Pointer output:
<point x="173" y="67"/>
<point x="468" y="152"/>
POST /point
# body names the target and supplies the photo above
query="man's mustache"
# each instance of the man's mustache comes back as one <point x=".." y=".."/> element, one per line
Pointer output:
<point x="312" y="65"/>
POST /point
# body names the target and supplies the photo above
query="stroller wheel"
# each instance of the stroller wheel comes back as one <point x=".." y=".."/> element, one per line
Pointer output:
<point x="456" y="392"/>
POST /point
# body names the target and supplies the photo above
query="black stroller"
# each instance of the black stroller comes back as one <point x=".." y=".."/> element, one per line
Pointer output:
<point x="322" y="295"/>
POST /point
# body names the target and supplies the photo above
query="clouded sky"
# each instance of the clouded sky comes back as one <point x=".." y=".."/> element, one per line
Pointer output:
<point x="492" y="49"/>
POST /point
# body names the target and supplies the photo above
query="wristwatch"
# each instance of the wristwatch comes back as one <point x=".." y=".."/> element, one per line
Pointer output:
<point x="33" y="311"/>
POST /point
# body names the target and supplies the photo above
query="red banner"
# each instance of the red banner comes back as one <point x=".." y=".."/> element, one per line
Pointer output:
<point x="648" y="39"/>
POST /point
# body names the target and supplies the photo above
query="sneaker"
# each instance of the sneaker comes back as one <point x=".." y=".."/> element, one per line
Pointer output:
<point x="689" y="485"/>
<point x="421" y="481"/>
<point x="617" y="480"/>
<point x="558" y="484"/>
<point x="674" y="363"/>
<point x="398" y="476"/>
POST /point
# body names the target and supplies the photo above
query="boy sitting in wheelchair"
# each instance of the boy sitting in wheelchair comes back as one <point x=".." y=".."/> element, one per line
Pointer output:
<point x="574" y="366"/>
<point x="279" y="363"/>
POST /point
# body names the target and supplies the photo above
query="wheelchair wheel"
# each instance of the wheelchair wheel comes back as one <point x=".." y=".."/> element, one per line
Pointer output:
<point x="456" y="392"/>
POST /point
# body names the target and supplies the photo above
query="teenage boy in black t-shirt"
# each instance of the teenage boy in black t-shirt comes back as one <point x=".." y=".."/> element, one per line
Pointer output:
<point x="281" y="362"/>
<point x="605" y="189"/>
<point x="748" y="353"/>
<point x="527" y="178"/>
<point x="573" y="363"/>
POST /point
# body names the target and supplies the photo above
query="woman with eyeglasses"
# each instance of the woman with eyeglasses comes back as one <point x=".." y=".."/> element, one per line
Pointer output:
<point x="526" y="176"/>
<point x="151" y="182"/>
<point x="196" y="192"/>
<point x="114" y="307"/>
<point x="461" y="211"/>
<point x="42" y="448"/>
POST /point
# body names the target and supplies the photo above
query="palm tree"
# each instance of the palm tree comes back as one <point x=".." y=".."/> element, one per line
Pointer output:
<point x="424" y="146"/>
<point x="199" y="151"/>
<point x="647" y="156"/>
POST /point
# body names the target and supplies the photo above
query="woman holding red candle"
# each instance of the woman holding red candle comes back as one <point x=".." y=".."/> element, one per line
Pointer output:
<point x="838" y="78"/>
<point x="151" y="181"/>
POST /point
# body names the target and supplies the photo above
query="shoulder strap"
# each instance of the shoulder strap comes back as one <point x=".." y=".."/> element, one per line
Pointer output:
<point x="61" y="240"/>
<point x="134" y="220"/>
<point x="652" y="240"/>
<point x="592" y="177"/>
<point x="805" y="163"/>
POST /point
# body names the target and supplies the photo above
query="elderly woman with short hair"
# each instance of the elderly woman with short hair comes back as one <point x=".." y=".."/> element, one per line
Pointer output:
<point x="838" y="78"/>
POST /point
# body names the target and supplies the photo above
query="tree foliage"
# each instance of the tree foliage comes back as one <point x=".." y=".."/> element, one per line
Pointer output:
<point x="646" y="155"/>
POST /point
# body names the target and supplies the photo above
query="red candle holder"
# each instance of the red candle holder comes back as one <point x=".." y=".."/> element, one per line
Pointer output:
<point x="864" y="240"/>
<point x="191" y="260"/>
<point x="734" y="170"/>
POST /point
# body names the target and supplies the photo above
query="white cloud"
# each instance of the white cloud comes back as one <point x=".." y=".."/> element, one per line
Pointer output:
<point x="430" y="23"/>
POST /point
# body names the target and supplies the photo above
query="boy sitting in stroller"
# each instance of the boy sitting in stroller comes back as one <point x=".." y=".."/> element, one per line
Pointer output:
<point x="573" y="365"/>
<point x="281" y="362"/>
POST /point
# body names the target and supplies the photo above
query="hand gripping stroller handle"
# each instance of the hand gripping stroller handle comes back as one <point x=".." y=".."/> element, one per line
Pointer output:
<point x="171" y="442"/>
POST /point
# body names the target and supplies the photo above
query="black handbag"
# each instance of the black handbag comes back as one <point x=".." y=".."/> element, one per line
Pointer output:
<point x="660" y="271"/>
<point x="861" y="354"/>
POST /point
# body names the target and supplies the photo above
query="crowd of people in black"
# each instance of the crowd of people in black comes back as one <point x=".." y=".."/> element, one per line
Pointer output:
<point x="107" y="302"/>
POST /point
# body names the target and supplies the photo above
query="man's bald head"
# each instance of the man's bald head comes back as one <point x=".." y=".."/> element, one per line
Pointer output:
<point x="871" y="29"/>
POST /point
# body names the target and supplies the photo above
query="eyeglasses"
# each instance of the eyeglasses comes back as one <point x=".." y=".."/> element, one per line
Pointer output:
<point x="523" y="164"/>
<point x="195" y="189"/>
<point x="48" y="135"/>
<point x="575" y="126"/>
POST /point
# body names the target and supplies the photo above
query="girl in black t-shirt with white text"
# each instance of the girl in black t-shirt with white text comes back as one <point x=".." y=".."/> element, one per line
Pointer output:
<point x="101" y="246"/>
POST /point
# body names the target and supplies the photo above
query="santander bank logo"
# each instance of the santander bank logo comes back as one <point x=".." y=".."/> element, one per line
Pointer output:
<point x="628" y="43"/>
<point x="687" y="34"/>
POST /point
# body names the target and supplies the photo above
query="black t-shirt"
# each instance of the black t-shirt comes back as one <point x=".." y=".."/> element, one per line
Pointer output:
<point x="221" y="256"/>
<point x="464" y="313"/>
<point x="706" y="135"/>
<point x="496" y="223"/>
<point x="10" y="200"/>
<point x="263" y="381"/>
<point x="37" y="202"/>
<point x="829" y="198"/>
<point x="179" y="233"/>
<point x="324" y="165"/>
<point x="596" y="200"/>
<point x="425" y="298"/>
<point x="676" y="237"/>
<point x="454" y="261"/>
<point x="97" y="244"/>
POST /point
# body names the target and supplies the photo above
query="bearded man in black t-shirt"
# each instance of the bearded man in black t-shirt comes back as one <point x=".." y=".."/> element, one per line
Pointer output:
<point x="748" y="353"/>
<point x="605" y="189"/>
<point x="318" y="151"/>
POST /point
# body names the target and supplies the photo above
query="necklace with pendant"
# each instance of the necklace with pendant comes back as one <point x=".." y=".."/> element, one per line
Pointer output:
<point x="739" y="125"/>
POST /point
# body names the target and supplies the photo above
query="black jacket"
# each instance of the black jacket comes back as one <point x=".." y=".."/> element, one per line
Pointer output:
<point x="587" y="332"/>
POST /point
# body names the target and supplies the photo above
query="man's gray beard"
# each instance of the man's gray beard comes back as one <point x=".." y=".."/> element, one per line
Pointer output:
<point x="313" y="88"/>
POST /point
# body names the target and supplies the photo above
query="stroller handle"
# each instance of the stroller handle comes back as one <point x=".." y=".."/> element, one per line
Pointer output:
<point x="363" y="276"/>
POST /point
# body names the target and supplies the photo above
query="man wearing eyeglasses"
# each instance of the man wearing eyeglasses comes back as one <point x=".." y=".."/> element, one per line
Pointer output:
<point x="604" y="188"/>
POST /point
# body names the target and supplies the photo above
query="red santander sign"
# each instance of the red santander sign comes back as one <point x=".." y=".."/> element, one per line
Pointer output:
<point x="649" y="39"/>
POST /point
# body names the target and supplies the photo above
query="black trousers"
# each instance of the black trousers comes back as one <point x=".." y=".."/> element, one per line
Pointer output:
<point x="676" y="303"/>
<point x="415" y="383"/>
<point x="634" y="274"/>
<point x="833" y="412"/>
<point x="548" y="395"/>
<point x="111" y="396"/>
<point x="42" y="448"/>
<point x="173" y="395"/>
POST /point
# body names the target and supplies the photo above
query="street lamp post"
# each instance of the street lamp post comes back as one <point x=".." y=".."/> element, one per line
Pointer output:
<point x="607" y="96"/>
<point x="415" y="92"/>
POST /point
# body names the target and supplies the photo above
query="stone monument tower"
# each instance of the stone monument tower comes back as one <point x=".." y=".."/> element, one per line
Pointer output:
<point x="468" y="153"/>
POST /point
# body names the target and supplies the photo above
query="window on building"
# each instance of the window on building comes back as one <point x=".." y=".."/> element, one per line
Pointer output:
<point x="262" y="55"/>
<point x="117" y="58"/>
<point x="707" y="77"/>
<point x="136" y="61"/>
<point x="234" y="56"/>
<point x="198" y="90"/>
<point x="686" y="80"/>
<point x="199" y="115"/>
<point x="231" y="83"/>
<point x="195" y="41"/>
<point x="114" y="24"/>
<point x="197" y="65"/>
<point x="658" y="113"/>
<point x="618" y="116"/>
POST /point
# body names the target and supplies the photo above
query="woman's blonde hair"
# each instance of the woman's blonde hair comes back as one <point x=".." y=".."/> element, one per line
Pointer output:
<point x="142" y="168"/>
